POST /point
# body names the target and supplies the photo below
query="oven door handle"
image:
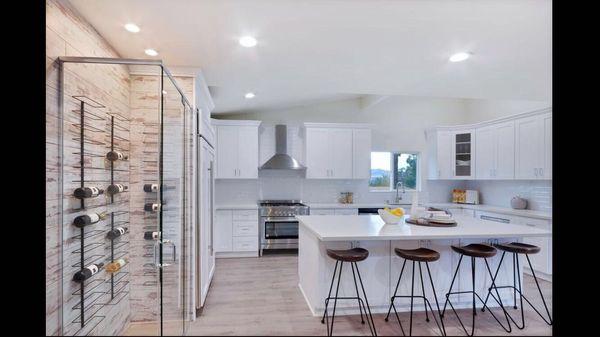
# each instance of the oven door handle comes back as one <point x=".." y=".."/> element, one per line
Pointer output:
<point x="280" y="219"/>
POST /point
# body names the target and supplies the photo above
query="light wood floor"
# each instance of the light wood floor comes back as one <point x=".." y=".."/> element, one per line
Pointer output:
<point x="260" y="296"/>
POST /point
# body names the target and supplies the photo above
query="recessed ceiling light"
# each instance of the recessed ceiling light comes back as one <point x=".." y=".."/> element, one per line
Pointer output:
<point x="248" y="41"/>
<point x="164" y="92"/>
<point x="151" y="52"/>
<point x="458" y="57"/>
<point x="249" y="95"/>
<point x="132" y="27"/>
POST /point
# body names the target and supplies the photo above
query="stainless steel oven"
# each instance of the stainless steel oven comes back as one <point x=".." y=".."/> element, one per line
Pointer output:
<point x="278" y="227"/>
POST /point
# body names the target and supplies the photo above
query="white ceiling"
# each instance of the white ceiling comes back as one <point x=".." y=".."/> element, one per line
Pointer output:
<point x="310" y="51"/>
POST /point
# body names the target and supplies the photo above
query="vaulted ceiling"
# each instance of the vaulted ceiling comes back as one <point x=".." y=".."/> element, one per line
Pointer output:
<point x="316" y="50"/>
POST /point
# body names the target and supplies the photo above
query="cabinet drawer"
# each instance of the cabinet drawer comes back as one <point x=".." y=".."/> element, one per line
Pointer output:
<point x="245" y="228"/>
<point x="533" y="222"/>
<point x="346" y="211"/>
<point x="250" y="214"/>
<point x="322" y="211"/>
<point x="245" y="243"/>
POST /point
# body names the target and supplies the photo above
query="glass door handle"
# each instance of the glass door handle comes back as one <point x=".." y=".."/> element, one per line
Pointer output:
<point x="163" y="242"/>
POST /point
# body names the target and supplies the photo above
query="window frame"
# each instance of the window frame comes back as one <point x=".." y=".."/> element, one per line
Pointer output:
<point x="394" y="169"/>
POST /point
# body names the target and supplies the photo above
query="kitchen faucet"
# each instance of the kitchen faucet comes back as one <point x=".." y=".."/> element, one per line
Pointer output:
<point x="398" y="198"/>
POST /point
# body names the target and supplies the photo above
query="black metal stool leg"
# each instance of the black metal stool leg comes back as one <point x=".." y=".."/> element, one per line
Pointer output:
<point x="541" y="295"/>
<point x="395" y="291"/>
<point x="423" y="289"/>
<point x="412" y="297"/>
<point x="451" y="284"/>
<point x="499" y="300"/>
<point x="329" y="295"/>
<point x="330" y="330"/>
<point x="357" y="295"/>
<point x="515" y="262"/>
<point x="370" y="318"/>
<point x="493" y="281"/>
<point x="437" y="304"/>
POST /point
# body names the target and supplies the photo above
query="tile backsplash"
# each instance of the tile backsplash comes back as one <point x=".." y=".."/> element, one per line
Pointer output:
<point x="292" y="185"/>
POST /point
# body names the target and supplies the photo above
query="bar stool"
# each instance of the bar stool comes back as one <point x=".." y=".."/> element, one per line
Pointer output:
<point x="348" y="255"/>
<point x="517" y="248"/>
<point x="475" y="250"/>
<point x="417" y="255"/>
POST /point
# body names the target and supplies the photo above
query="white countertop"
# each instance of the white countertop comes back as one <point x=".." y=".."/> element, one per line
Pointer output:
<point x="502" y="210"/>
<point x="371" y="227"/>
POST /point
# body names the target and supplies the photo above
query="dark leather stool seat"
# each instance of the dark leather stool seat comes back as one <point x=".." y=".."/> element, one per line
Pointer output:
<point x="518" y="247"/>
<point x="475" y="250"/>
<point x="419" y="254"/>
<point x="348" y="255"/>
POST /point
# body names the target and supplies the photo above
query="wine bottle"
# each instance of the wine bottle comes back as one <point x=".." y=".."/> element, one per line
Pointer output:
<point x="116" y="155"/>
<point x="87" y="192"/>
<point x="115" y="233"/>
<point x="116" y="188"/>
<point x="151" y="235"/>
<point x="88" y="219"/>
<point x="87" y="272"/>
<point x="151" y="207"/>
<point x="150" y="187"/>
<point x="115" y="266"/>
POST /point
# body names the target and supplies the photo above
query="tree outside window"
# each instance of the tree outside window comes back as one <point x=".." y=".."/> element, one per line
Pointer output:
<point x="388" y="168"/>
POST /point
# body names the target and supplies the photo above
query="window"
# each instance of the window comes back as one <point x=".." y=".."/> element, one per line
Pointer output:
<point x="389" y="168"/>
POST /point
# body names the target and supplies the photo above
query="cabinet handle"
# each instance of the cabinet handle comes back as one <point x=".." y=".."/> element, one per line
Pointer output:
<point x="535" y="171"/>
<point x="530" y="224"/>
<point x="541" y="172"/>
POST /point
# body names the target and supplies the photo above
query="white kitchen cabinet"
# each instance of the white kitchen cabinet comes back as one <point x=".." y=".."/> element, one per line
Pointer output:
<point x="341" y="159"/>
<point x="322" y="211"/>
<point x="533" y="147"/>
<point x="346" y="211"/>
<point x="361" y="151"/>
<point x="495" y="151"/>
<point x="441" y="153"/>
<point x="515" y="147"/>
<point x="335" y="151"/>
<point x="223" y="231"/>
<point x="236" y="231"/>
<point x="237" y="149"/>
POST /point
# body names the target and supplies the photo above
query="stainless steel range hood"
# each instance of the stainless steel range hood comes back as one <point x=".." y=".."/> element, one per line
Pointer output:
<point x="281" y="160"/>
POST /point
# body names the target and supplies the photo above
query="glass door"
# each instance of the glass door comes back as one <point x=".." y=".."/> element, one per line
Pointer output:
<point x="463" y="167"/>
<point x="173" y="249"/>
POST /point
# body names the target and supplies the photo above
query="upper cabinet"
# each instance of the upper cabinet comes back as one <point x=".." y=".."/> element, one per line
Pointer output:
<point x="451" y="155"/>
<point x="515" y="147"/>
<point x="237" y="149"/>
<point x="337" y="151"/>
<point x="495" y="151"/>
<point x="533" y="159"/>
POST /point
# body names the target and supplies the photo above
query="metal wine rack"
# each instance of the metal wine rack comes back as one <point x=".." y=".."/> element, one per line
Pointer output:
<point x="89" y="301"/>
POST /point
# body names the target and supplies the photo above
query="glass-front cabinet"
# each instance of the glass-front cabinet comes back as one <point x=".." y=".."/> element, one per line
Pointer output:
<point x="463" y="154"/>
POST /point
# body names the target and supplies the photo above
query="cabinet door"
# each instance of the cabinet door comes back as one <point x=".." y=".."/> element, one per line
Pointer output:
<point x="341" y="153"/>
<point x="361" y="143"/>
<point x="444" y="154"/>
<point x="485" y="153"/>
<point x="546" y="124"/>
<point x="223" y="231"/>
<point x="317" y="153"/>
<point x="504" y="139"/>
<point x="527" y="152"/>
<point x="542" y="261"/>
<point x="247" y="152"/>
<point x="227" y="151"/>
<point x="463" y="161"/>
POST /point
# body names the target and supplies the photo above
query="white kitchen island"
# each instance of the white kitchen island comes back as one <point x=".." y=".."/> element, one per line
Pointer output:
<point x="381" y="269"/>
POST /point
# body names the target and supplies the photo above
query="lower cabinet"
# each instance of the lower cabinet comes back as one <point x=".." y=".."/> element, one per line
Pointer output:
<point x="236" y="233"/>
<point x="542" y="261"/>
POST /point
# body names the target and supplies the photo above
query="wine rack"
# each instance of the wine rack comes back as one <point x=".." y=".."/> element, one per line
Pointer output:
<point x="88" y="302"/>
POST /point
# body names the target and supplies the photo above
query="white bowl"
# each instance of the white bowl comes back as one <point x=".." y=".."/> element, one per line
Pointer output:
<point x="388" y="217"/>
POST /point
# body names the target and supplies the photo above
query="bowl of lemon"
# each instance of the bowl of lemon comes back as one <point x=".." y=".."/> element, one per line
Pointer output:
<point x="391" y="216"/>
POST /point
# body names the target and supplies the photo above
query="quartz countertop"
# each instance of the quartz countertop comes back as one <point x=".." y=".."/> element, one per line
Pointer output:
<point x="371" y="227"/>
